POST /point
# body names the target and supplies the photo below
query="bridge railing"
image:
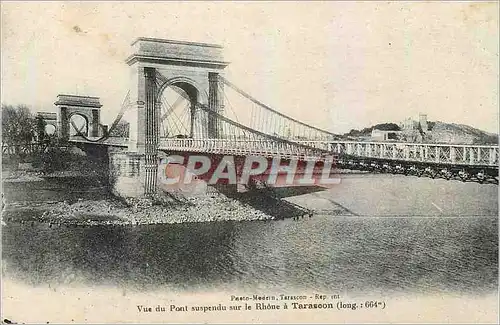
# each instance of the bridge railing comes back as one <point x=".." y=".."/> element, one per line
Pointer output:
<point x="419" y="152"/>
<point x="447" y="154"/>
<point x="424" y="153"/>
<point x="266" y="148"/>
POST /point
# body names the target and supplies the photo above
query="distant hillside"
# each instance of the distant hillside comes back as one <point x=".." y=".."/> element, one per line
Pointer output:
<point x="439" y="132"/>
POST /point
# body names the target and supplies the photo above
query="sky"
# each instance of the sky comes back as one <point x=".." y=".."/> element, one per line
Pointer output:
<point x="335" y="65"/>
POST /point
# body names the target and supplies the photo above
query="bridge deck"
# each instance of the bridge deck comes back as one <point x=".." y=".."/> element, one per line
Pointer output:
<point x="442" y="154"/>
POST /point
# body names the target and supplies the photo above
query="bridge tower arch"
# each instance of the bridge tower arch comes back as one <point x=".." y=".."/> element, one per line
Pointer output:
<point x="155" y="65"/>
<point x="50" y="121"/>
<point x="73" y="105"/>
<point x="190" y="90"/>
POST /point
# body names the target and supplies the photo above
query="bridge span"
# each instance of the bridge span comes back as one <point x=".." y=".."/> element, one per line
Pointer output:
<point x="179" y="102"/>
<point x="467" y="162"/>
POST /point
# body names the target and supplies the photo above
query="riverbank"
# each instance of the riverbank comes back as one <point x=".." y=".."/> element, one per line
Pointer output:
<point x="36" y="175"/>
<point x="132" y="211"/>
<point x="87" y="202"/>
<point x="79" y="198"/>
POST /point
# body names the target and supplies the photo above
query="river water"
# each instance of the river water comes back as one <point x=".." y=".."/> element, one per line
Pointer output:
<point x="428" y="253"/>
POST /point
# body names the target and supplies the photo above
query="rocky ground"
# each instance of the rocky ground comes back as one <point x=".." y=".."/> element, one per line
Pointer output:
<point x="134" y="211"/>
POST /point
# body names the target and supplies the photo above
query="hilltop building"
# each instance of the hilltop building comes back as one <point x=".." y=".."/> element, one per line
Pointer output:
<point x="414" y="131"/>
<point x="409" y="124"/>
<point x="411" y="131"/>
<point x="422" y="120"/>
<point x="381" y="135"/>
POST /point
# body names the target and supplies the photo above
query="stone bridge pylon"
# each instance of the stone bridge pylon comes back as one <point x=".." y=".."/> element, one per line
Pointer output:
<point x="155" y="65"/>
<point x="69" y="106"/>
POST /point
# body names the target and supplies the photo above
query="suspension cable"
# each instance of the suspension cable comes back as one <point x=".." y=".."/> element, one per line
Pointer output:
<point x="251" y="98"/>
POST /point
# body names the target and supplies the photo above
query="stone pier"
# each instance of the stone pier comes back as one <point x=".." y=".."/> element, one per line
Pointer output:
<point x="127" y="173"/>
<point x="128" y="177"/>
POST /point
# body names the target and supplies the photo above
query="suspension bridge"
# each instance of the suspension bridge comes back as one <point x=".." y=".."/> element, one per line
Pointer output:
<point x="180" y="101"/>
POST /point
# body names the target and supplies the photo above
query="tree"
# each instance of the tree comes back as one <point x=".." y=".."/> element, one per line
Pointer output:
<point x="18" y="126"/>
<point x="367" y="131"/>
<point x="387" y="127"/>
